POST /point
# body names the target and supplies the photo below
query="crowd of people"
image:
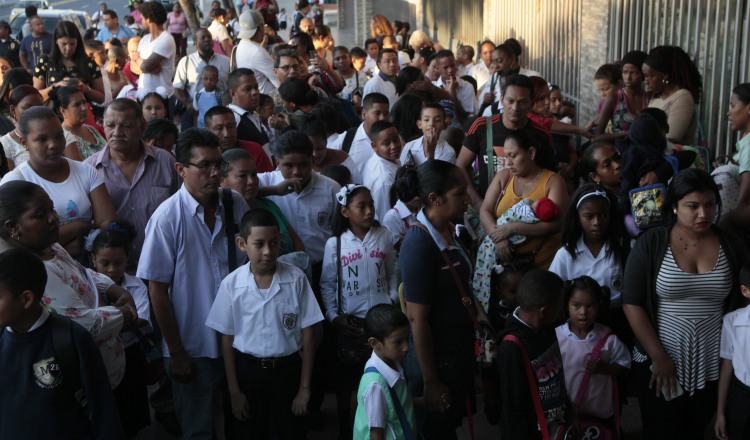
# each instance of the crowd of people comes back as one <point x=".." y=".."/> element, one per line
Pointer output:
<point x="256" y="222"/>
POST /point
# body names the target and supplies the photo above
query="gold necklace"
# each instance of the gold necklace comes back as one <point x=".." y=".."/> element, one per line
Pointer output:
<point x="685" y="244"/>
<point x="526" y="184"/>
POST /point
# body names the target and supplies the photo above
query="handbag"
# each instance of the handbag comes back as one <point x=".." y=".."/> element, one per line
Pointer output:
<point x="563" y="431"/>
<point x="647" y="205"/>
<point x="594" y="427"/>
<point x="352" y="347"/>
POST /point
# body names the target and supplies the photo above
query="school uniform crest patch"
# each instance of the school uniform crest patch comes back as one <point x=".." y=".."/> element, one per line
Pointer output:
<point x="47" y="373"/>
<point x="323" y="219"/>
<point x="289" y="320"/>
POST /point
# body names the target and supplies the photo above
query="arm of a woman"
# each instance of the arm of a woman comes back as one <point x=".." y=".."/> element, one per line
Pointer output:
<point x="101" y="205"/>
<point x="739" y="217"/>
<point x="563" y="128"/>
<point x="434" y="391"/>
<point x="95" y="91"/>
<point x="489" y="205"/>
<point x="680" y="116"/>
<point x="72" y="152"/>
<point x="605" y="114"/>
<point x="41" y="85"/>
<point x="663" y="369"/>
<point x="68" y="236"/>
<point x="558" y="193"/>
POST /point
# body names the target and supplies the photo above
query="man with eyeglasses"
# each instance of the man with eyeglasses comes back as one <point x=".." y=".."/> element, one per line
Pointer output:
<point x="251" y="53"/>
<point x="138" y="176"/>
<point x="185" y="257"/>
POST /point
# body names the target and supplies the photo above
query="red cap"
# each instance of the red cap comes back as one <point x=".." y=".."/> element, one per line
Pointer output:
<point x="546" y="210"/>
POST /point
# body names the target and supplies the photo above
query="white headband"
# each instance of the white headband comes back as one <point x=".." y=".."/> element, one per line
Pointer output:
<point x="595" y="193"/>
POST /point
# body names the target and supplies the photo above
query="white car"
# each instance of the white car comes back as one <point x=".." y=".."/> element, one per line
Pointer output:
<point x="22" y="5"/>
<point x="50" y="17"/>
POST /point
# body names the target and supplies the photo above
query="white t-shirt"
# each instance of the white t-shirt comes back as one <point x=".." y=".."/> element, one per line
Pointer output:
<point x="378" y="176"/>
<point x="163" y="45"/>
<point x="71" y="197"/>
<point x="13" y="150"/>
<point x="443" y="151"/>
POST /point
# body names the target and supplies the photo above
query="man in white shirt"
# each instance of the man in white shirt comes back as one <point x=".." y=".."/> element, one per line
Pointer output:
<point x="157" y="51"/>
<point x="461" y="91"/>
<point x="385" y="80"/>
<point x="187" y="75"/>
<point x="359" y="145"/>
<point x="481" y="70"/>
<point x="97" y="20"/>
<point x="185" y="258"/>
<point x="465" y="60"/>
<point x="251" y="54"/>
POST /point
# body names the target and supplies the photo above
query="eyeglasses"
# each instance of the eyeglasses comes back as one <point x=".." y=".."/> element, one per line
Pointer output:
<point x="289" y="67"/>
<point x="207" y="167"/>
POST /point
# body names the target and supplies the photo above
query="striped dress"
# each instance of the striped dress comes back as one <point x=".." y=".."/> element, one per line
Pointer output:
<point x="690" y="310"/>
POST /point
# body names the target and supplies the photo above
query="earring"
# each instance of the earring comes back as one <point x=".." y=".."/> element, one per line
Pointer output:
<point x="15" y="235"/>
<point x="437" y="203"/>
<point x="665" y="81"/>
<point x="674" y="211"/>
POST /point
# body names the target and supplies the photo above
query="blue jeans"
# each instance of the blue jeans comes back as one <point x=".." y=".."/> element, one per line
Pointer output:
<point x="195" y="402"/>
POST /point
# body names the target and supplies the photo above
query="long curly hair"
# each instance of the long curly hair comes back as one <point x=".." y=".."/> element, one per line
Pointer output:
<point x="678" y="66"/>
<point x="379" y="25"/>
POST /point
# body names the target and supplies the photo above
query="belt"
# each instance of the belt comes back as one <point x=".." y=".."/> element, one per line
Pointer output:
<point x="291" y="359"/>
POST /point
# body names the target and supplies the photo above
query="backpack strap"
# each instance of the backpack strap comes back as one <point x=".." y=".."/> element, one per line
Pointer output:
<point x="533" y="387"/>
<point x="230" y="227"/>
<point x="587" y="377"/>
<point x="62" y="344"/>
<point x="405" y="427"/>
<point x="338" y="274"/>
<point x="490" y="151"/>
<point x="348" y="139"/>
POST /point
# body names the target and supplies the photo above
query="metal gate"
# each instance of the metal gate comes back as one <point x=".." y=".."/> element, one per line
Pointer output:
<point x="713" y="32"/>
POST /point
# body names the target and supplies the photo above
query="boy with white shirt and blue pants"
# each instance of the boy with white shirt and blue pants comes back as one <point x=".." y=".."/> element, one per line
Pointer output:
<point x="265" y="311"/>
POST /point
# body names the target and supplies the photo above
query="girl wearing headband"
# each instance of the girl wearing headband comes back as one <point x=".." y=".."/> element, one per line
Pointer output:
<point x="359" y="272"/>
<point x="594" y="244"/>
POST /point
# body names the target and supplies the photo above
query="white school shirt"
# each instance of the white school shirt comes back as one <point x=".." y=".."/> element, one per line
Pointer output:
<point x="179" y="250"/>
<point x="311" y="212"/>
<point x="481" y="73"/>
<point x="370" y="67"/>
<point x="139" y="292"/>
<point x="398" y="220"/>
<point x="265" y="324"/>
<point x="464" y="70"/>
<point x="443" y="151"/>
<point x="465" y="94"/>
<point x="378" y="177"/>
<point x="735" y="342"/>
<point x="71" y="198"/>
<point x="361" y="149"/>
<point x="353" y="168"/>
<point x="603" y="268"/>
<point x="368" y="273"/>
<point x="381" y="84"/>
<point x="253" y="56"/>
<point x="598" y="398"/>
<point x="163" y="45"/>
<point x="374" y="400"/>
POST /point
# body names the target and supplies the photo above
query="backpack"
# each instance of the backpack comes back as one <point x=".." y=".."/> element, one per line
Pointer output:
<point x="727" y="178"/>
<point x="348" y="139"/>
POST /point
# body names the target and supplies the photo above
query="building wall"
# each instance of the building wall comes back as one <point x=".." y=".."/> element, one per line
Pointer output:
<point x="567" y="40"/>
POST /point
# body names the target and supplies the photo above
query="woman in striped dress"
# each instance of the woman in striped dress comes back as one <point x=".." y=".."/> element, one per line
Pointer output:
<point x="679" y="281"/>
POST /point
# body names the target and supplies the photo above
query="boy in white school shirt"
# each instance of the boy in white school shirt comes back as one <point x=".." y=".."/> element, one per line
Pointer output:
<point x="265" y="311"/>
<point x="429" y="146"/>
<point x="380" y="169"/>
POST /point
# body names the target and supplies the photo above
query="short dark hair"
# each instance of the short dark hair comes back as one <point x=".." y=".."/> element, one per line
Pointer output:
<point x="357" y="52"/>
<point x="216" y="111"/>
<point x="539" y="288"/>
<point x="37" y="113"/>
<point x="374" y="98"/>
<point x="191" y="139"/>
<point x="293" y="141"/>
<point x="154" y="11"/>
<point x="111" y="13"/>
<point x="288" y="53"/>
<point x="210" y="67"/>
<point x="124" y="104"/>
<point x="369" y="41"/>
<point x="745" y="275"/>
<point x="158" y="128"/>
<point x="254" y="218"/>
<point x="610" y="72"/>
<point x="231" y="156"/>
<point x="91" y="44"/>
<point x="21" y="270"/>
<point x="385" y="51"/>
<point x="378" y="127"/>
<point x="311" y="125"/>
<point x="264" y="100"/>
<point x="234" y="78"/>
<point x="445" y="53"/>
<point x="298" y="91"/>
<point x="14" y="200"/>
<point x="384" y="319"/>
<point x="30" y="11"/>
<point x="433" y="106"/>
<point x="518" y="80"/>
<point x="339" y="173"/>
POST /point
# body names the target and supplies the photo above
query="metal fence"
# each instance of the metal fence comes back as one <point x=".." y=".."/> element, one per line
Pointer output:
<point x="713" y="32"/>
